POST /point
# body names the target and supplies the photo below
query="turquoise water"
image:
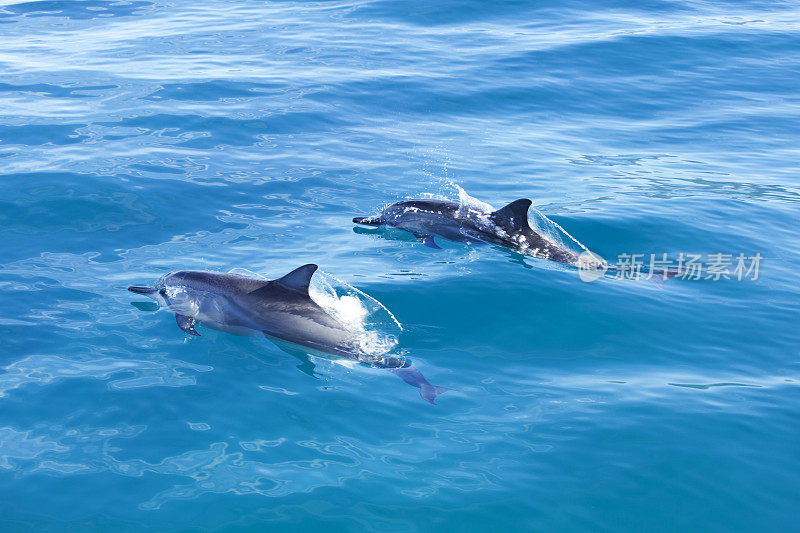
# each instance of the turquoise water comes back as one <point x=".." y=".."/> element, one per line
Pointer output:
<point x="142" y="137"/>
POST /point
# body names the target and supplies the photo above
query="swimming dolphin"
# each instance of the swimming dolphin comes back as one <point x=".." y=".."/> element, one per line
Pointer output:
<point x="280" y="308"/>
<point x="507" y="227"/>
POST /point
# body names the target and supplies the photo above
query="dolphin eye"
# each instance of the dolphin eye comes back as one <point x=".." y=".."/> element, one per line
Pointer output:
<point x="163" y="292"/>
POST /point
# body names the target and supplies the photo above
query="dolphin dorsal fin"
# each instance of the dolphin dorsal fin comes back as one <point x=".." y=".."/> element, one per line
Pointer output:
<point x="514" y="214"/>
<point x="298" y="279"/>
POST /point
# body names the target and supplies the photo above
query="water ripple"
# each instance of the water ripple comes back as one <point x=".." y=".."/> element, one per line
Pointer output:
<point x="140" y="137"/>
<point x="45" y="369"/>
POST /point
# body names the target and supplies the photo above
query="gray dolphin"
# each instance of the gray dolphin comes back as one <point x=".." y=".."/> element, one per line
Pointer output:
<point x="507" y="227"/>
<point x="280" y="308"/>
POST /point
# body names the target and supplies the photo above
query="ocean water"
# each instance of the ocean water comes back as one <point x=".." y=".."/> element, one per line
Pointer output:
<point x="139" y="137"/>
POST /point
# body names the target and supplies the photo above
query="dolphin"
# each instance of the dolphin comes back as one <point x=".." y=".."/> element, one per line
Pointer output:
<point x="282" y="309"/>
<point x="507" y="227"/>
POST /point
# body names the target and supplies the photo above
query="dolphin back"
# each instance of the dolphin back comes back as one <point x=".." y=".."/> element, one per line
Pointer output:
<point x="283" y="308"/>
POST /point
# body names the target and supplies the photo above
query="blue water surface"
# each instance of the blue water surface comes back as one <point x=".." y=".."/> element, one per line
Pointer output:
<point x="139" y="137"/>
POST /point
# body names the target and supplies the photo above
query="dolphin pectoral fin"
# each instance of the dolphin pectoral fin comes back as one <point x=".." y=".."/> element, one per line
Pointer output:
<point x="307" y="367"/>
<point x="186" y="323"/>
<point x="428" y="241"/>
<point x="414" y="377"/>
<point x="514" y="215"/>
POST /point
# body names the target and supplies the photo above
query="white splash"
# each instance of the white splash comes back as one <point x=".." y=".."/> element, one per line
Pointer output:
<point x="247" y="273"/>
<point x="360" y="313"/>
<point x="470" y="202"/>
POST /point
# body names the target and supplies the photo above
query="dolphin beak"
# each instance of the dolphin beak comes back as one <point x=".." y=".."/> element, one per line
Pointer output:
<point x="367" y="221"/>
<point x="141" y="290"/>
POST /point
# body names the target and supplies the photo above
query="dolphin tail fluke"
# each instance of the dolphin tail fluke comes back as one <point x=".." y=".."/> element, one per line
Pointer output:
<point x="414" y="377"/>
<point x="430" y="392"/>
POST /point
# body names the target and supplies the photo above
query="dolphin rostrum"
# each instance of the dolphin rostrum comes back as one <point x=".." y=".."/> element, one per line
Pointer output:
<point x="280" y="308"/>
<point x="453" y="221"/>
